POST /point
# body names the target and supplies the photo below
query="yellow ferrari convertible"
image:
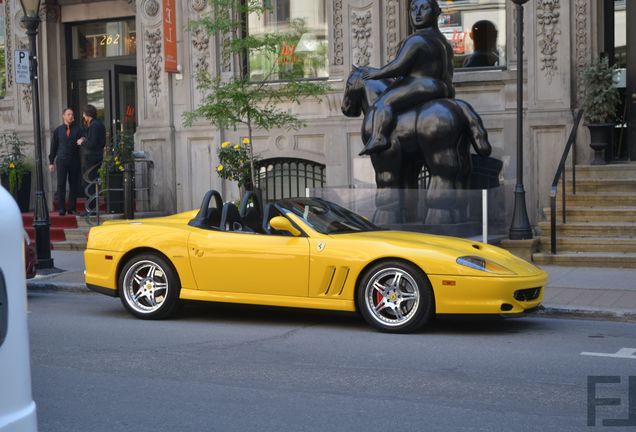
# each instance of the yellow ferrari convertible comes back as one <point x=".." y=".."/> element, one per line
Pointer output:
<point x="304" y="253"/>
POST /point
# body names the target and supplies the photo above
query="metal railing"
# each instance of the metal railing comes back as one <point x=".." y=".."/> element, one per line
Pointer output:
<point x="134" y="192"/>
<point x="560" y="174"/>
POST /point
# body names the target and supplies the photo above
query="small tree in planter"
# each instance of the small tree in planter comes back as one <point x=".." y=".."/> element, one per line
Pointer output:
<point x="111" y="171"/>
<point x="600" y="105"/>
<point x="244" y="101"/>
<point x="15" y="172"/>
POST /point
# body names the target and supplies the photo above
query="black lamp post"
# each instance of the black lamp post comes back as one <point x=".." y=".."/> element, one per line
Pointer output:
<point x="41" y="224"/>
<point x="520" y="228"/>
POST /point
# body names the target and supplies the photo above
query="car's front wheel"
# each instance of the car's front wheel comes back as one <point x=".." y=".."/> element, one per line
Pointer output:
<point x="395" y="297"/>
<point x="149" y="287"/>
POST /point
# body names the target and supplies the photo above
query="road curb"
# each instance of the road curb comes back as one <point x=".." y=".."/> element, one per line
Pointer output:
<point x="49" y="286"/>
<point x="582" y="312"/>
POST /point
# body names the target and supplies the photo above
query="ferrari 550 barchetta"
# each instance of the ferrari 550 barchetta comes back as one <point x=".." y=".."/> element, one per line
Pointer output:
<point x="304" y="253"/>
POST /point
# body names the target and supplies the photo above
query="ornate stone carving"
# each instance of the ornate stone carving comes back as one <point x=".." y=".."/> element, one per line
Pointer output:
<point x="151" y="8"/>
<point x="338" y="34"/>
<point x="201" y="44"/>
<point x="581" y="45"/>
<point x="133" y="4"/>
<point x="50" y="12"/>
<point x="8" y="43"/>
<point x="548" y="13"/>
<point x="361" y="38"/>
<point x="153" y="60"/>
<point x="392" y="10"/>
<point x="198" y="5"/>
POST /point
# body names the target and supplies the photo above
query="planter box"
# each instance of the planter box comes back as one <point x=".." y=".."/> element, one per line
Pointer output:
<point x="23" y="194"/>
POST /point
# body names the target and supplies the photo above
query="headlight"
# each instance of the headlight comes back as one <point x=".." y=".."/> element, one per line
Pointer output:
<point x="482" y="264"/>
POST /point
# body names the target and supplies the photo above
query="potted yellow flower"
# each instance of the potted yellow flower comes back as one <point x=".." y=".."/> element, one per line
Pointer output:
<point x="234" y="163"/>
<point x="111" y="172"/>
<point x="15" y="172"/>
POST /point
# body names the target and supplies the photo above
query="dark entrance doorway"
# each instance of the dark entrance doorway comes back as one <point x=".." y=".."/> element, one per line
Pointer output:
<point x="620" y="47"/>
<point x="103" y="72"/>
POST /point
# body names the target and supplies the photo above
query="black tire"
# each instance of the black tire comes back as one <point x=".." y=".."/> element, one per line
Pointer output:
<point x="391" y="307"/>
<point x="148" y="293"/>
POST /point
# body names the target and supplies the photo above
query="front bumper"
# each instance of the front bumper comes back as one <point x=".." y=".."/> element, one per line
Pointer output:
<point x="487" y="295"/>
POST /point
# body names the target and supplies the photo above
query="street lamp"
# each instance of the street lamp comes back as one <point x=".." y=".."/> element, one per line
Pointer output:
<point x="520" y="228"/>
<point x="41" y="224"/>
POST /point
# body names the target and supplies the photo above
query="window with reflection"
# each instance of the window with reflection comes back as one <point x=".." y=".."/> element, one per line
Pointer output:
<point x="104" y="39"/>
<point x="476" y="29"/>
<point x="620" y="34"/>
<point x="3" y="55"/>
<point x="304" y="55"/>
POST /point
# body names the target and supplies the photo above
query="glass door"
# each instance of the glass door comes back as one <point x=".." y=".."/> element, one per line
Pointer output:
<point x="92" y="88"/>
<point x="125" y="98"/>
<point x="620" y="47"/>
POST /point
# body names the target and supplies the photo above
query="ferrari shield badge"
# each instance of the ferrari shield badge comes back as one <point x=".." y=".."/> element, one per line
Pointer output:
<point x="320" y="246"/>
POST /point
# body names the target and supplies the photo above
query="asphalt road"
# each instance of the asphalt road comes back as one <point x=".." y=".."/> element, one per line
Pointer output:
<point x="241" y="368"/>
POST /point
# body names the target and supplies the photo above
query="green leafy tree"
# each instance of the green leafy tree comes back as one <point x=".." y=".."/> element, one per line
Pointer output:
<point x="241" y="101"/>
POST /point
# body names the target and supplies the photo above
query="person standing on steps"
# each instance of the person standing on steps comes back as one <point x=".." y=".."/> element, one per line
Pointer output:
<point x="65" y="158"/>
<point x="93" y="142"/>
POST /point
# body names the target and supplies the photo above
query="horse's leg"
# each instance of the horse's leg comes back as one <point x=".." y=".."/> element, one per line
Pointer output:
<point x="411" y="172"/>
<point x="388" y="200"/>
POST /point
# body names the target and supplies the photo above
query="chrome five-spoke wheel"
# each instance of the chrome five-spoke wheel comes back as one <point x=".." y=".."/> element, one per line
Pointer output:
<point x="148" y="287"/>
<point x="395" y="297"/>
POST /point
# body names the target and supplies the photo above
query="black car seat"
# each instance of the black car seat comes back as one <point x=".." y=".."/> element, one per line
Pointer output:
<point x="230" y="218"/>
<point x="209" y="217"/>
<point x="251" y="212"/>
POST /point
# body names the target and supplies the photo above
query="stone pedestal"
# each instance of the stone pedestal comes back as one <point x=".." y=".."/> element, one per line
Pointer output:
<point x="521" y="248"/>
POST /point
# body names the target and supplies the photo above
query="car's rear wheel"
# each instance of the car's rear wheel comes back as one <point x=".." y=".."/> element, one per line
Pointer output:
<point x="149" y="287"/>
<point x="395" y="297"/>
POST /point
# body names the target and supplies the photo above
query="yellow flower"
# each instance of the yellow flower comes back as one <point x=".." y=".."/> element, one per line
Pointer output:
<point x="226" y="144"/>
<point x="237" y="146"/>
<point x="11" y="165"/>
<point x="219" y="168"/>
<point x="121" y="168"/>
<point x="246" y="140"/>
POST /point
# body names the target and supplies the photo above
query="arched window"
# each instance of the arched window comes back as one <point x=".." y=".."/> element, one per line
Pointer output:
<point x="279" y="178"/>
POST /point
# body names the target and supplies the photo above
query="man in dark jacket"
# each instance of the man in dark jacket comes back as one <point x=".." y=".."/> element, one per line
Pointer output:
<point x="65" y="157"/>
<point x="93" y="143"/>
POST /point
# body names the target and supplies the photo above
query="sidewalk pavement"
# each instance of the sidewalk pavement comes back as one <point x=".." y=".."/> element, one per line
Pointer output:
<point x="584" y="292"/>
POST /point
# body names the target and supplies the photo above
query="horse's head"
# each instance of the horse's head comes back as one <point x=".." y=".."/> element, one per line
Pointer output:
<point x="354" y="91"/>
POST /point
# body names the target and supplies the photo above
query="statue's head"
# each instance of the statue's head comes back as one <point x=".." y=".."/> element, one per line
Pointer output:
<point x="424" y="13"/>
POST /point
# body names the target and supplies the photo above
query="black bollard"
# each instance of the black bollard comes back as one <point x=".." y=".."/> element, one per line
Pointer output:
<point x="129" y="190"/>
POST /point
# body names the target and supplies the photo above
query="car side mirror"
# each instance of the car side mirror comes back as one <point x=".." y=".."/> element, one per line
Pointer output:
<point x="281" y="223"/>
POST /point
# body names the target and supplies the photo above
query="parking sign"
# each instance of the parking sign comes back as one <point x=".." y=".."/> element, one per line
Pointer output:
<point x="22" y="66"/>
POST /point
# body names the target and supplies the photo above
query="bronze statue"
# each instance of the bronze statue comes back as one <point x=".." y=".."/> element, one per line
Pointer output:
<point x="412" y="121"/>
<point x="421" y="71"/>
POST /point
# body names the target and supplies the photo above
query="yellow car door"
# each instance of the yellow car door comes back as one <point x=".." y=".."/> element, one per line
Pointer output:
<point x="240" y="262"/>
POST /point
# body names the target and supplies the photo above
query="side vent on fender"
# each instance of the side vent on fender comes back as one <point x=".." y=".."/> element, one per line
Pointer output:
<point x="333" y="281"/>
<point x="4" y="309"/>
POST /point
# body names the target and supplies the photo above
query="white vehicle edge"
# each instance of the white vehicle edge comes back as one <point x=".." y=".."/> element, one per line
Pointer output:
<point x="17" y="408"/>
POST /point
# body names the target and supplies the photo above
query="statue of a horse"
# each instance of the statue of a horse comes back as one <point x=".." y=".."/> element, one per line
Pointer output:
<point x="437" y="134"/>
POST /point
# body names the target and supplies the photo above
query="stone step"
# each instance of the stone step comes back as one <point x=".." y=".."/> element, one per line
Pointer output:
<point x="602" y="185"/>
<point x="594" y="214"/>
<point x="82" y="221"/>
<point x="601" y="199"/>
<point x="587" y="259"/>
<point x="591" y="229"/>
<point x="610" y="171"/>
<point x="67" y="245"/>
<point x="77" y="234"/>
<point x="589" y="244"/>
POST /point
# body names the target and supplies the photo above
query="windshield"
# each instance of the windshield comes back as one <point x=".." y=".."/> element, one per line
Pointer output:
<point x="326" y="217"/>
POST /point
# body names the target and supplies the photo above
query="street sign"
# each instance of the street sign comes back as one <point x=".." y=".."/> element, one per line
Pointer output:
<point x="22" y="66"/>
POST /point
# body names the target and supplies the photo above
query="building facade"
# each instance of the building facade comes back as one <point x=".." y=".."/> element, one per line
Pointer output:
<point x="112" y="54"/>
